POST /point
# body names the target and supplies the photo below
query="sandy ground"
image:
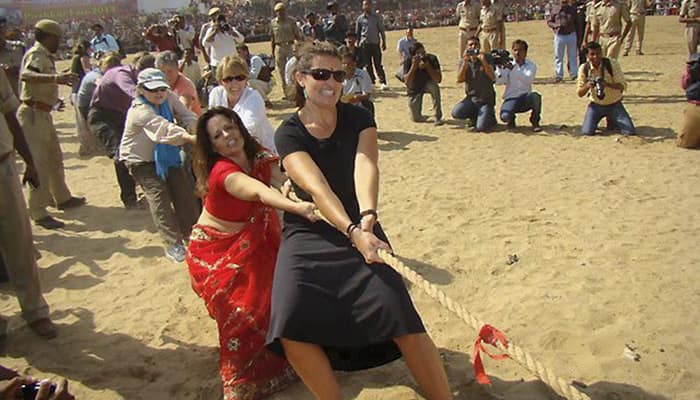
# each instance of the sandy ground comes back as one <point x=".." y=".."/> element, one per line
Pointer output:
<point x="604" y="228"/>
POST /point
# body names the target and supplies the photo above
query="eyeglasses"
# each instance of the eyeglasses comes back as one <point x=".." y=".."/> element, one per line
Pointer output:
<point x="322" y="74"/>
<point x="160" y="89"/>
<point x="239" y="78"/>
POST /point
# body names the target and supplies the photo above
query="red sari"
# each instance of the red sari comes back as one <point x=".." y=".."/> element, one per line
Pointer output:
<point x="232" y="273"/>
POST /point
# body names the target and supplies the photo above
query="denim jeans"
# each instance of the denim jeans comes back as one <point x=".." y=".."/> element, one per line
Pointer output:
<point x="616" y="114"/>
<point x="483" y="113"/>
<point x="371" y="55"/>
<point x="528" y="101"/>
<point x="566" y="43"/>
<point x="415" y="101"/>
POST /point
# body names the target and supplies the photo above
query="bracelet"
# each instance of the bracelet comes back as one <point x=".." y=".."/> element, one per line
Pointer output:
<point x="351" y="227"/>
<point x="368" y="212"/>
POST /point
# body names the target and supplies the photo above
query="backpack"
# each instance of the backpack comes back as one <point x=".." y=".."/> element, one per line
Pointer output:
<point x="265" y="74"/>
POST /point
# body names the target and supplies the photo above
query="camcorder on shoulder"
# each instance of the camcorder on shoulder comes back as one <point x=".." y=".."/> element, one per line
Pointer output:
<point x="499" y="57"/>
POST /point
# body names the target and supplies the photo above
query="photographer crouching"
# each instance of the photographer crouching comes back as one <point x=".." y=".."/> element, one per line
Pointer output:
<point x="423" y="75"/>
<point x="689" y="137"/>
<point x="602" y="79"/>
<point x="476" y="72"/>
<point x="518" y="76"/>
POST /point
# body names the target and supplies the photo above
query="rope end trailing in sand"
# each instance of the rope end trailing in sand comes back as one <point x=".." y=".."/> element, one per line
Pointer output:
<point x="513" y="351"/>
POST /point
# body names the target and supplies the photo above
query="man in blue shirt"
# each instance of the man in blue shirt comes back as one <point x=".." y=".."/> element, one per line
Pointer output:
<point x="370" y="31"/>
<point x="102" y="42"/>
<point x="403" y="46"/>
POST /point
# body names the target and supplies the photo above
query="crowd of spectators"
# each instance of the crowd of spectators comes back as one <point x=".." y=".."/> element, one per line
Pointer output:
<point x="253" y="18"/>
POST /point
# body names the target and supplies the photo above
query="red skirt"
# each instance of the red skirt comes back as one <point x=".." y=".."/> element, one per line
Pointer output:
<point x="232" y="273"/>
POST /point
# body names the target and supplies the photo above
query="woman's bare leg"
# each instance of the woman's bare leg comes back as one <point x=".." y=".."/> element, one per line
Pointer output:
<point x="425" y="364"/>
<point x="311" y="364"/>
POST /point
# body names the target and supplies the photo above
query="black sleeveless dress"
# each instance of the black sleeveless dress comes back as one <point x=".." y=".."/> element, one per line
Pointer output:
<point x="323" y="292"/>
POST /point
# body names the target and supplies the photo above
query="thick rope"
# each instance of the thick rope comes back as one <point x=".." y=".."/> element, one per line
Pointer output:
<point x="514" y="351"/>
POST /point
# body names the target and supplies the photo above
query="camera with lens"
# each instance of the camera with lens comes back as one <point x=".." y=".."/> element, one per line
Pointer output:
<point x="599" y="86"/>
<point x="473" y="52"/>
<point x="30" y="391"/>
<point x="223" y="25"/>
<point x="499" y="57"/>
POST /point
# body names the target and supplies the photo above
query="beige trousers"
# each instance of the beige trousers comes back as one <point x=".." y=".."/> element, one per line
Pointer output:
<point x="611" y="46"/>
<point x="48" y="158"/>
<point x="489" y="41"/>
<point x="462" y="37"/>
<point x="262" y="87"/>
<point x="282" y="54"/>
<point x="638" y="28"/>
<point x="692" y="33"/>
<point x="16" y="245"/>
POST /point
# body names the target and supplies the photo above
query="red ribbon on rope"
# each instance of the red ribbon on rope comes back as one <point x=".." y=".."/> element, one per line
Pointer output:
<point x="490" y="335"/>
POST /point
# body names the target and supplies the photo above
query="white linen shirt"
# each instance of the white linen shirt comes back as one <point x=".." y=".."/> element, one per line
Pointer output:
<point x="224" y="44"/>
<point x="518" y="80"/>
<point x="251" y="109"/>
<point x="358" y="84"/>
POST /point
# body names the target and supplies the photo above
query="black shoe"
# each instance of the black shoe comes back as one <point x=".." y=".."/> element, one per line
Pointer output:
<point x="49" y="222"/>
<point x="73" y="202"/>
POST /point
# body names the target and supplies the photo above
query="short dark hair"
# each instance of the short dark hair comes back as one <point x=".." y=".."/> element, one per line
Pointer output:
<point x="593" y="46"/>
<point x="519" y="42"/>
<point x="473" y="39"/>
<point x="416" y="46"/>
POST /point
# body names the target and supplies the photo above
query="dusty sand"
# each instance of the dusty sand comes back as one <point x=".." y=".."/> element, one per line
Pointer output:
<point x="604" y="228"/>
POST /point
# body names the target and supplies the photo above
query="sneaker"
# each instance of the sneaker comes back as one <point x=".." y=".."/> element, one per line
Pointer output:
<point x="536" y="128"/>
<point x="384" y="86"/>
<point x="49" y="222"/>
<point x="44" y="328"/>
<point x="558" y="79"/>
<point x="73" y="202"/>
<point x="625" y="54"/>
<point x="420" y="119"/>
<point x="439" y="122"/>
<point x="176" y="253"/>
<point x="640" y="53"/>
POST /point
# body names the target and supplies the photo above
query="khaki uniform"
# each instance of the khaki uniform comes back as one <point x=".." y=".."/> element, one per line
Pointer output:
<point x="689" y="136"/>
<point x="638" y="12"/>
<point x="691" y="9"/>
<point x="284" y="32"/>
<point x="16" y="245"/>
<point x="490" y="28"/>
<point x="11" y="60"/>
<point x="607" y="20"/>
<point x="501" y="12"/>
<point x="35" y="118"/>
<point x="468" y="12"/>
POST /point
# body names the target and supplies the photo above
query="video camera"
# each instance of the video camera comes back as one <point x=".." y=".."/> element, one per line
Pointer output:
<point x="599" y="84"/>
<point x="499" y="57"/>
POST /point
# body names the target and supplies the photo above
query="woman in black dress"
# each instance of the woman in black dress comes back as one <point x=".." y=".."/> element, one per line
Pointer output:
<point x="335" y="304"/>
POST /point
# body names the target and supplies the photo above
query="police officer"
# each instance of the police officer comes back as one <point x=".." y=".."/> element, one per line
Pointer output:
<point x="638" y="12"/>
<point x="39" y="96"/>
<point x="11" y="52"/>
<point x="501" y="17"/>
<point x="284" y="32"/>
<point x="468" y="13"/>
<point x="690" y="16"/>
<point x="608" y="16"/>
<point x="489" y="26"/>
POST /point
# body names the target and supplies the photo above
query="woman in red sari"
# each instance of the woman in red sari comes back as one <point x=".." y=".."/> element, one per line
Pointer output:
<point x="233" y="248"/>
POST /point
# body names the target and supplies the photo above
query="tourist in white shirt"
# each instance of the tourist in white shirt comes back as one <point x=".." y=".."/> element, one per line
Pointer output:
<point x="518" y="96"/>
<point x="220" y="40"/>
<point x="233" y="92"/>
<point x="260" y="75"/>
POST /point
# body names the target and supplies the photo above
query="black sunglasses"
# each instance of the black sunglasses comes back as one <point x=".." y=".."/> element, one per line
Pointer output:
<point x="322" y="74"/>
<point x="160" y="89"/>
<point x="239" y="78"/>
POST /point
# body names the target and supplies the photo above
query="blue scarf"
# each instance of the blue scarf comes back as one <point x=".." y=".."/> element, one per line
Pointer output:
<point x="167" y="156"/>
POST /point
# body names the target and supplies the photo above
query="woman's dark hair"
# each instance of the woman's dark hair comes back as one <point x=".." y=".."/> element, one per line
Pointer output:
<point x="305" y="58"/>
<point x="204" y="155"/>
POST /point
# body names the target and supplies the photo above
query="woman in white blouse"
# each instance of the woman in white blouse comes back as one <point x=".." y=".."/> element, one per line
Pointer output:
<point x="234" y="93"/>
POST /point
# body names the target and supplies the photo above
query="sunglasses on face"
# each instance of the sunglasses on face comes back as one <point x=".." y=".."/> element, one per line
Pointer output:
<point x="322" y="74"/>
<point x="238" y="78"/>
<point x="160" y="89"/>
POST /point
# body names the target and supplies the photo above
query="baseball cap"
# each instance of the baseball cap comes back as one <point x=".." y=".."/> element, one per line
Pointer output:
<point x="152" y="78"/>
<point x="279" y="7"/>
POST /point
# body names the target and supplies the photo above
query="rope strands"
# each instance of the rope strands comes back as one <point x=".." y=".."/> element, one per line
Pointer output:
<point x="514" y="351"/>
